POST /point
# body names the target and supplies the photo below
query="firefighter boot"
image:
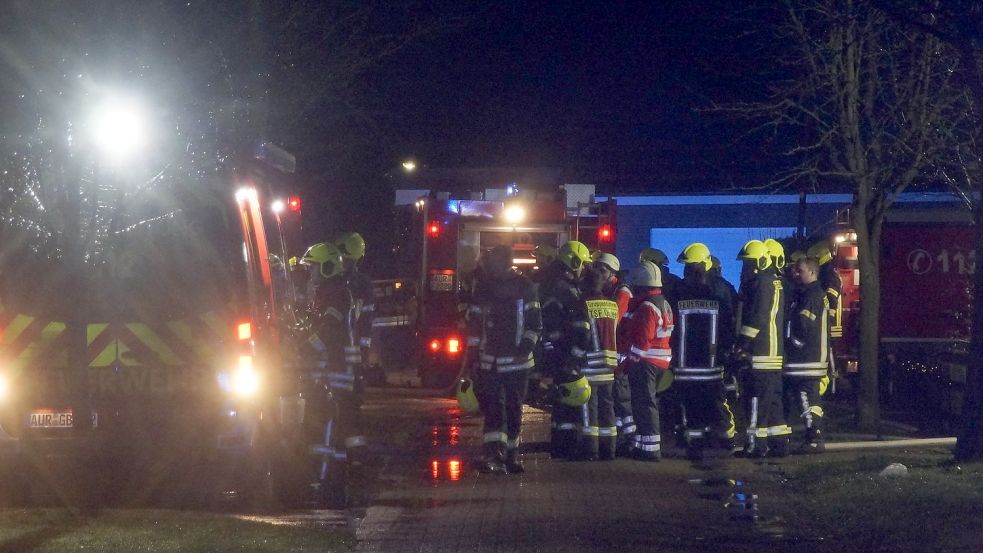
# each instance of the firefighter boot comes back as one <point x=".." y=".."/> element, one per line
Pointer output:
<point x="814" y="442"/>
<point x="493" y="459"/>
<point x="513" y="463"/>
<point x="778" y="446"/>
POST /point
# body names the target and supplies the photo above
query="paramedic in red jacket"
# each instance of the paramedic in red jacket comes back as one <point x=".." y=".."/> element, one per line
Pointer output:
<point x="648" y="327"/>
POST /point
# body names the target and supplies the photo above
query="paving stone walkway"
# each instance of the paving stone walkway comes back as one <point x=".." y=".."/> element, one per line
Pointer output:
<point x="430" y="499"/>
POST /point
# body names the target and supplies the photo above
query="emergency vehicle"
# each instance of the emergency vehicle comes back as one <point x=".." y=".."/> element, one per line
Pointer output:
<point x="195" y="382"/>
<point x="927" y="263"/>
<point x="441" y="238"/>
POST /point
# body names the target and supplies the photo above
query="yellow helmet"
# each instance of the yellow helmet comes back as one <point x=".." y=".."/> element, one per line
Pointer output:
<point x="326" y="256"/>
<point x="574" y="393"/>
<point x="647" y="274"/>
<point x="755" y="250"/>
<point x="776" y="251"/>
<point x="820" y="250"/>
<point x="351" y="245"/>
<point x="696" y="253"/>
<point x="654" y="255"/>
<point x="574" y="254"/>
<point x="466" y="397"/>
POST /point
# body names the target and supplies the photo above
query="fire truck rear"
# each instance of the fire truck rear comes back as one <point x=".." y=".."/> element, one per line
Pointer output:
<point x="927" y="262"/>
<point x="442" y="238"/>
<point x="199" y="390"/>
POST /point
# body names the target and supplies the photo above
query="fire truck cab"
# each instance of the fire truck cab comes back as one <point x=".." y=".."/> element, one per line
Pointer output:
<point x="443" y="236"/>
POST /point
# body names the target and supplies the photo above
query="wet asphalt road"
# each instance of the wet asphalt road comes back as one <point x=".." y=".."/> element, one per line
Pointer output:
<point x="426" y="497"/>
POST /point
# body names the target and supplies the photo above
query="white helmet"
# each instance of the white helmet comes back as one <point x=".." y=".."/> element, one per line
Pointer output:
<point x="609" y="260"/>
<point x="646" y="274"/>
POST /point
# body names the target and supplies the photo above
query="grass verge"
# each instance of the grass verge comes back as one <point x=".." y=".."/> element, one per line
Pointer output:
<point x="157" y="531"/>
<point x="937" y="507"/>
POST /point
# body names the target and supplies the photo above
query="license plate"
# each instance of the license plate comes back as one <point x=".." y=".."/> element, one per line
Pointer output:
<point x="51" y="418"/>
<point x="442" y="283"/>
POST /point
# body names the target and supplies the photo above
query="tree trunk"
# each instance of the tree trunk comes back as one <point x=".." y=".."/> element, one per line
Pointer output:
<point x="969" y="445"/>
<point x="869" y="247"/>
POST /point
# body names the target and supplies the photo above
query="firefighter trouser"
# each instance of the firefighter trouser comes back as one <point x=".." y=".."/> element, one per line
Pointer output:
<point x="599" y="429"/>
<point x="805" y="402"/>
<point x="500" y="395"/>
<point x="643" y="378"/>
<point x="622" y="409"/>
<point x="766" y="414"/>
<point x="705" y="412"/>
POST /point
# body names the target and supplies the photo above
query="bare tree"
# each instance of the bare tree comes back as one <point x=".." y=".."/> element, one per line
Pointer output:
<point x="857" y="99"/>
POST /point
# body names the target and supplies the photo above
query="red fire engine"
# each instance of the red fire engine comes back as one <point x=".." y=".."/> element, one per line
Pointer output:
<point x="927" y="262"/>
<point x="445" y="235"/>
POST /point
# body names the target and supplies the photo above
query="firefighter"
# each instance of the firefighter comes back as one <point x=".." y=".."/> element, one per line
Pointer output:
<point x="505" y="329"/>
<point x="595" y="345"/>
<point x="560" y="296"/>
<point x="704" y="333"/>
<point x="807" y="351"/>
<point x="669" y="280"/>
<point x="830" y="280"/>
<point x="352" y="248"/>
<point x="619" y="290"/>
<point x="648" y="328"/>
<point x="761" y="339"/>
<point x="332" y="313"/>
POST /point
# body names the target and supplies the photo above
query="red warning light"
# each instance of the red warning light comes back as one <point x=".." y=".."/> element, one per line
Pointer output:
<point x="605" y="233"/>
<point x="433" y="229"/>
<point x="435" y="345"/>
<point x="293" y="202"/>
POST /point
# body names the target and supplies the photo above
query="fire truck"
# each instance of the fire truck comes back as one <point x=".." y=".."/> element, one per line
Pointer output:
<point x="443" y="235"/>
<point x="927" y="262"/>
<point x="196" y="387"/>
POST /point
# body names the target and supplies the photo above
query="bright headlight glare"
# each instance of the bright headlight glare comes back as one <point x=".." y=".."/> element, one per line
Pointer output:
<point x="245" y="380"/>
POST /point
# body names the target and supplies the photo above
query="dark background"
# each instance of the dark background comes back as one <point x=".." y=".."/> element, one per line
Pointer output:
<point x="614" y="95"/>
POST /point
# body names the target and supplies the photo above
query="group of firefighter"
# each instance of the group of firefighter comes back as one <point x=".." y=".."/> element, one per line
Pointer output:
<point x="615" y="343"/>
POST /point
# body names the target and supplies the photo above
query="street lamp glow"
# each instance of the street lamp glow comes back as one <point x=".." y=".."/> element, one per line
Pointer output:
<point x="514" y="214"/>
<point x="120" y="128"/>
<point x="409" y="165"/>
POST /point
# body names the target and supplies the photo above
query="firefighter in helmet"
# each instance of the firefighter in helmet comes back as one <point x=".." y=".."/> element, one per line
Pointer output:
<point x="331" y="311"/>
<point x="505" y="327"/>
<point x="647" y="331"/>
<point x="560" y="295"/>
<point x="619" y="290"/>
<point x="830" y="280"/>
<point x="351" y="245"/>
<point x="669" y="281"/>
<point x="704" y="333"/>
<point x="595" y="344"/>
<point x="807" y="351"/>
<point x="761" y="339"/>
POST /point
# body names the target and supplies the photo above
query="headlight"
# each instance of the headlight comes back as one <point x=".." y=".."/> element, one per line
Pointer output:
<point x="245" y="379"/>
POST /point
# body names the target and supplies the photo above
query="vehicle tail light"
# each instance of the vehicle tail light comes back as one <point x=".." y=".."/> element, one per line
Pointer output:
<point x="605" y="233"/>
<point x="435" y="345"/>
<point x="433" y="229"/>
<point x="293" y="202"/>
<point x="244" y="331"/>
<point x="453" y="345"/>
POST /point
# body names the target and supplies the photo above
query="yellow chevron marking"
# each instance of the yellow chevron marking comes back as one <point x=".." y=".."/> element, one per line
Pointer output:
<point x="154" y="342"/>
<point x="15" y="327"/>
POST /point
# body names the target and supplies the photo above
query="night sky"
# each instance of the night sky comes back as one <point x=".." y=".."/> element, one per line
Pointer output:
<point x="603" y="93"/>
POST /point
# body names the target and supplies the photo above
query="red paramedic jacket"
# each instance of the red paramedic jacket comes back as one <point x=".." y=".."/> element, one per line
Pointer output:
<point x="647" y="329"/>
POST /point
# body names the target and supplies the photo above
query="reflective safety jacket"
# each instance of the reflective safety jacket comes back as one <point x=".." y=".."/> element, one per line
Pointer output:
<point x="704" y="327"/>
<point x="504" y="323"/>
<point x="336" y="313"/>
<point x="830" y="281"/>
<point x="360" y="287"/>
<point x="594" y="335"/>
<point x="561" y="300"/>
<point x="622" y="297"/>
<point x="763" y="320"/>
<point x="648" y="328"/>
<point x="807" y="350"/>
